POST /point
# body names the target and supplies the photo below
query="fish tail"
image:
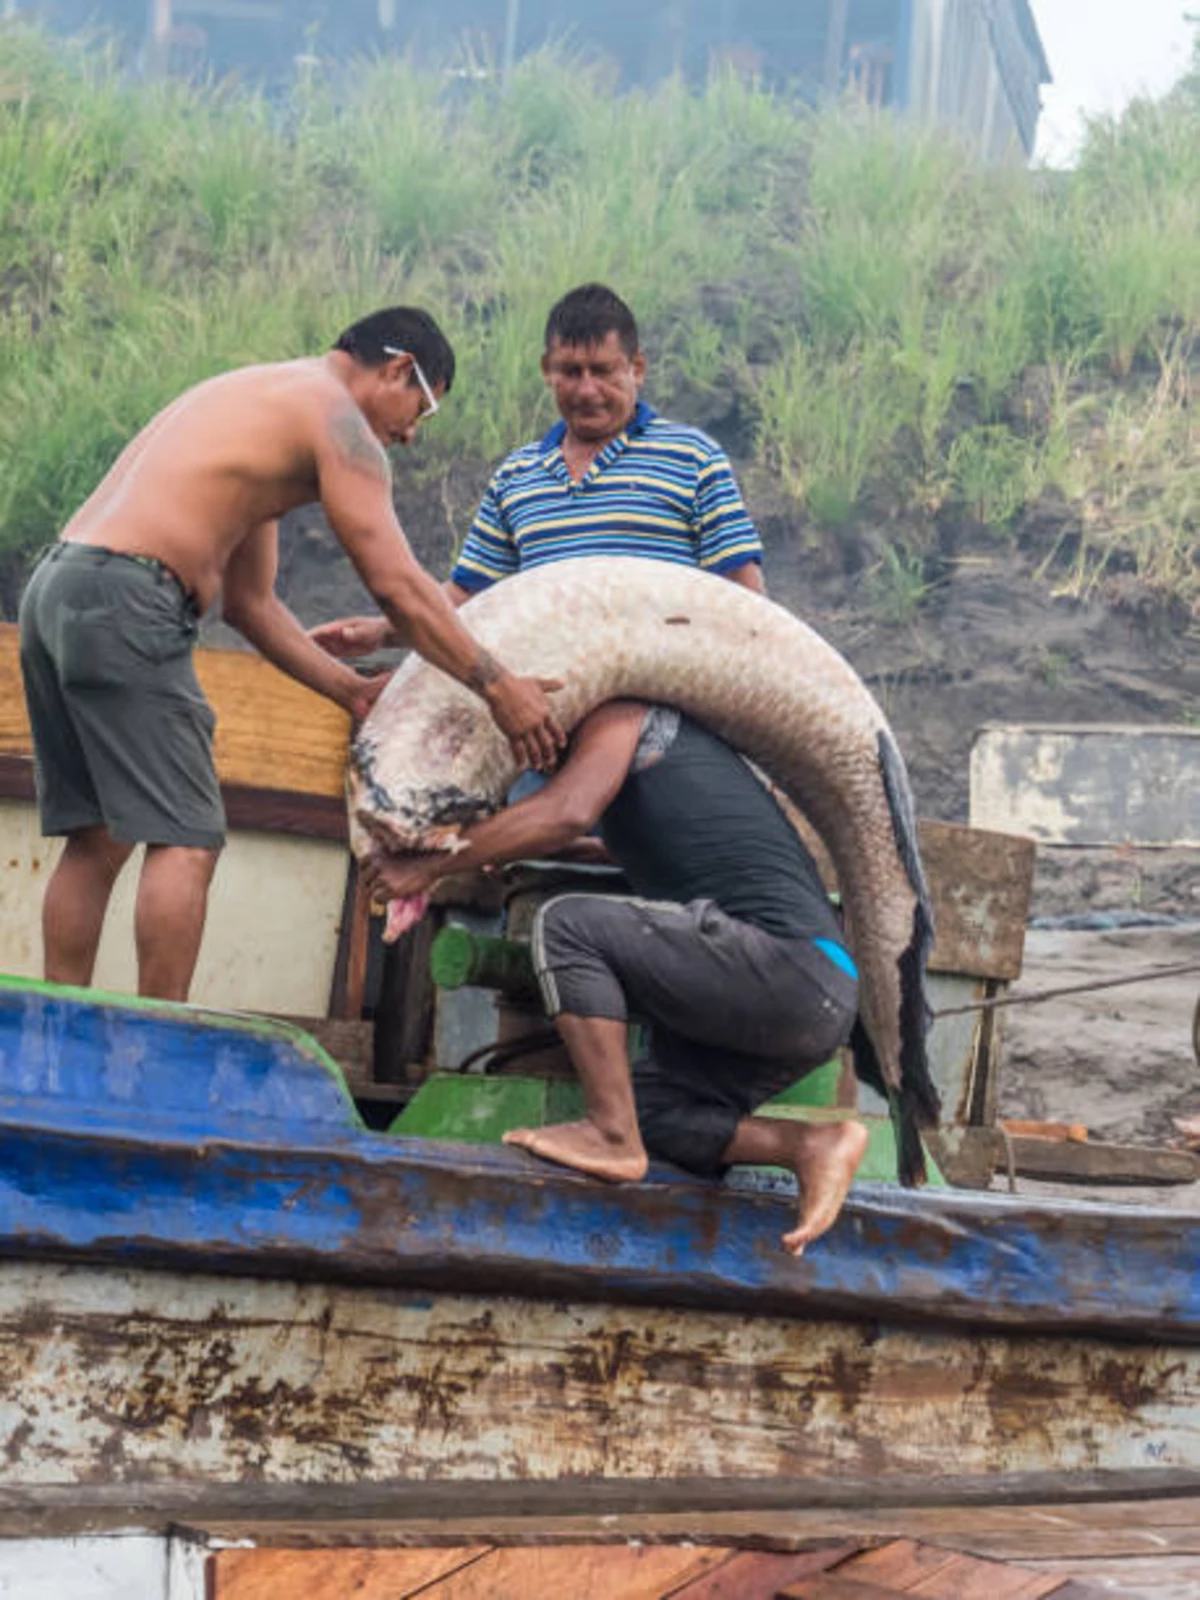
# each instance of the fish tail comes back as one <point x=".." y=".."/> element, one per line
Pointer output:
<point x="906" y="1113"/>
<point x="916" y="1103"/>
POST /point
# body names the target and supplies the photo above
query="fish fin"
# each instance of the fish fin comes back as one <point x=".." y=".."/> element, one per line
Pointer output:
<point x="866" y="1063"/>
<point x="918" y="1102"/>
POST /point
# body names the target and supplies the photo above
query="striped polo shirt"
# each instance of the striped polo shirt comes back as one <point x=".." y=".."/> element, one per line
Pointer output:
<point x="658" y="490"/>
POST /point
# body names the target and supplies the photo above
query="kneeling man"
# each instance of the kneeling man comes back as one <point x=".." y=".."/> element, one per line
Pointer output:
<point x="732" y="952"/>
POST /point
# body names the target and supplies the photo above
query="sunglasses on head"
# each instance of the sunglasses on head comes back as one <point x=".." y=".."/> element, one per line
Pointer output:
<point x="431" y="404"/>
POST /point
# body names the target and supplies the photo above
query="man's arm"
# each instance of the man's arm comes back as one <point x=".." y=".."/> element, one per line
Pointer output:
<point x="601" y="751"/>
<point x="727" y="540"/>
<point x="348" y="637"/>
<point x="355" y="487"/>
<point x="251" y="605"/>
<point x="749" y="575"/>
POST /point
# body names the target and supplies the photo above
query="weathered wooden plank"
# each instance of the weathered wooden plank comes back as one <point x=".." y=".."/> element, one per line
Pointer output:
<point x="910" y="1567"/>
<point x="1072" y="1590"/>
<point x="1094" y="1161"/>
<point x="899" y="1564"/>
<point x="967" y="1157"/>
<point x="252" y="809"/>
<point x="992" y="1525"/>
<point x="14" y="717"/>
<point x="784" y="1515"/>
<point x="981" y="884"/>
<point x="826" y="1535"/>
<point x="272" y="733"/>
<point x="332" y="1574"/>
<point x="584" y="1572"/>
<point x="1078" y="1538"/>
<point x="479" y="1215"/>
<point x="1162" y="1577"/>
<point x="760" y="1574"/>
<point x="263" y="810"/>
<point x="836" y="1587"/>
<point x="1075" y="1131"/>
<point x="348" y="988"/>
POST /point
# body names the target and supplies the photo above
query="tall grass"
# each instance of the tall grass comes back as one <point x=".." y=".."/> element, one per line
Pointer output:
<point x="911" y="336"/>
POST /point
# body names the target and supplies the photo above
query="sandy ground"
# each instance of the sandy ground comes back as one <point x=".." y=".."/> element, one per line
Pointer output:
<point x="1119" y="1060"/>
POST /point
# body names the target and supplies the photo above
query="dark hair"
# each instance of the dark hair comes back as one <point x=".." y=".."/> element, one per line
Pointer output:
<point x="402" y="328"/>
<point x="587" y="316"/>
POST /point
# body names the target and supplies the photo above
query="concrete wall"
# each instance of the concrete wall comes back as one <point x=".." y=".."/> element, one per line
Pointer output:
<point x="1089" y="785"/>
<point x="271" y="937"/>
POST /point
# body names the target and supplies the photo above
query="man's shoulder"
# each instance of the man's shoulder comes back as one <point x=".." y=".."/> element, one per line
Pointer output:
<point x="520" y="460"/>
<point x="291" y="394"/>
<point x="665" y="433"/>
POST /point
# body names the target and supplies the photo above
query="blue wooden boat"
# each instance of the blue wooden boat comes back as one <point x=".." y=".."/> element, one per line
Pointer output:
<point x="213" y="1274"/>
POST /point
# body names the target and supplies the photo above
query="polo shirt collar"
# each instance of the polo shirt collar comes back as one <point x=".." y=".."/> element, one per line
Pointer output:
<point x="643" y="415"/>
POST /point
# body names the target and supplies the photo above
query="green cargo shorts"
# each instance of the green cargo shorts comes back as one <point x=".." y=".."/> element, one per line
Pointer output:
<point x="122" y="733"/>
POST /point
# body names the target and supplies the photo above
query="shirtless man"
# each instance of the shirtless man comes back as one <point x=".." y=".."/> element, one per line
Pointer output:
<point x="733" y="954"/>
<point x="122" y="733"/>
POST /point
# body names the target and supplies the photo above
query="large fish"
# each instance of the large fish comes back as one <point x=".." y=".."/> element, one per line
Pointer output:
<point x="429" y="760"/>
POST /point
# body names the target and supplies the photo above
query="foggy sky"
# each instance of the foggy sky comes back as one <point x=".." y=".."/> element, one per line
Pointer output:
<point x="1102" y="53"/>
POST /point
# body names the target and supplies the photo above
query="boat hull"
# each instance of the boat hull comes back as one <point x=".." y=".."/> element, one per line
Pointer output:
<point x="211" y="1274"/>
<point x="153" y="1381"/>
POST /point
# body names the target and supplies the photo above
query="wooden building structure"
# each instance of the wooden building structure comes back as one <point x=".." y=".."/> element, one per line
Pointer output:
<point x="974" y="66"/>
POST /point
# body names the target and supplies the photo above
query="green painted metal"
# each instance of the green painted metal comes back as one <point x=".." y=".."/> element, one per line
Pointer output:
<point x="817" y="1088"/>
<point x="479" y="1110"/>
<point x="459" y="957"/>
<point x="473" y="1109"/>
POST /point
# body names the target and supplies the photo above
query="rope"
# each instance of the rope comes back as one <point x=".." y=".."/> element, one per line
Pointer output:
<point x="1074" y="988"/>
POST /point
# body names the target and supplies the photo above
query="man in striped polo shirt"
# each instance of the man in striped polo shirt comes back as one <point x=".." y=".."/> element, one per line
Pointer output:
<point x="612" y="478"/>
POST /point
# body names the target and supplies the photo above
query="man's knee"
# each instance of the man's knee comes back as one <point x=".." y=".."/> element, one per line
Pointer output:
<point x="97" y="851"/>
<point x="179" y="870"/>
<point x="570" y="957"/>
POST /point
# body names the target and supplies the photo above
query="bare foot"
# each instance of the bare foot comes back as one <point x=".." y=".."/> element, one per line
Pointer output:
<point x="825" y="1158"/>
<point x="587" y="1148"/>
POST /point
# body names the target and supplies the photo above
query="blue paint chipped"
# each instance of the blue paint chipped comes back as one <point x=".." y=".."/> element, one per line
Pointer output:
<point x="168" y="1136"/>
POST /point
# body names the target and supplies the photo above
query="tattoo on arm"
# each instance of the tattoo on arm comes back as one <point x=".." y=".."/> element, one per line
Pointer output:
<point x="485" y="671"/>
<point x="356" y="444"/>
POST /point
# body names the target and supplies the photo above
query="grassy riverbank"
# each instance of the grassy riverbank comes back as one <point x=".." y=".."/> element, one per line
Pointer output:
<point x="894" y="337"/>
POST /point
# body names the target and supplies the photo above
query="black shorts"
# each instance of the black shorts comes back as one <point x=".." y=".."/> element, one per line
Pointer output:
<point x="737" y="1015"/>
<point x="122" y="733"/>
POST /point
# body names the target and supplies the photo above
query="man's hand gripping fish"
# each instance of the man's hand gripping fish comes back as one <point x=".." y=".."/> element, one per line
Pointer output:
<point x="429" y="761"/>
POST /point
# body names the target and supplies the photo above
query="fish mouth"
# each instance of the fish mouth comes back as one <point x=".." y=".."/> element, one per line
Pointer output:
<point x="410" y="822"/>
<point x="395" y="837"/>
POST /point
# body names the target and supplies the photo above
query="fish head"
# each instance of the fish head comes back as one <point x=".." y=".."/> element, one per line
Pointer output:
<point x="427" y="763"/>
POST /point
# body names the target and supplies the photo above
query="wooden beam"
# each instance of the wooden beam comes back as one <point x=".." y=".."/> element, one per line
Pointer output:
<point x="332" y="1574"/>
<point x="354" y="936"/>
<point x="272" y="732"/>
<point x="1095" y="1162"/>
<point x="308" y="816"/>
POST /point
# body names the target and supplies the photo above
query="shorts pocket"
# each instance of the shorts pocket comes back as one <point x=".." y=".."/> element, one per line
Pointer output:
<point x="110" y="646"/>
<point x="92" y="653"/>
